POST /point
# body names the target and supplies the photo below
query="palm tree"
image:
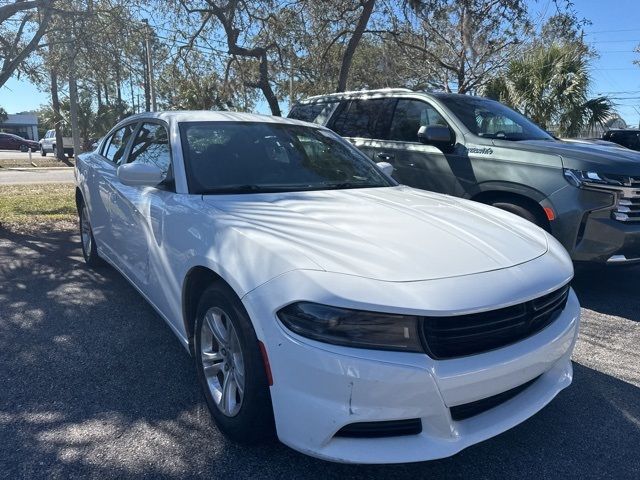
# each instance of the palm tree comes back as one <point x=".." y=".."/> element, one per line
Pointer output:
<point x="550" y="85"/>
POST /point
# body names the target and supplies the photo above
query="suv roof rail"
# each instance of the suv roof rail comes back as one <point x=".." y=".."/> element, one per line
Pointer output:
<point x="353" y="92"/>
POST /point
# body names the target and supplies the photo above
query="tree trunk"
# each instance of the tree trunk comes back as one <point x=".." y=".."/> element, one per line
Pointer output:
<point x="265" y="86"/>
<point x="99" y="95"/>
<point x="55" y="105"/>
<point x="347" y="58"/>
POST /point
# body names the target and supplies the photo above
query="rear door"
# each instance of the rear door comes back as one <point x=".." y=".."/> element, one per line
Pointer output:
<point x="363" y="122"/>
<point x="105" y="213"/>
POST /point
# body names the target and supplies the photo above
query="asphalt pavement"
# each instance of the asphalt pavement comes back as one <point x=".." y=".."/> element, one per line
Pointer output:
<point x="93" y="384"/>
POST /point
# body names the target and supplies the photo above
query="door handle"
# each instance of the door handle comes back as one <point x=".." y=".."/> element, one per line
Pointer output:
<point x="385" y="157"/>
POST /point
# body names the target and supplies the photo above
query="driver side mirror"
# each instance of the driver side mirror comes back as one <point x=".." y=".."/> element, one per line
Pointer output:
<point x="436" y="135"/>
<point x="140" y="174"/>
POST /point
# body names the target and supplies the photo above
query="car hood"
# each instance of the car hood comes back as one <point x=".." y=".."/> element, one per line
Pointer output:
<point x="583" y="156"/>
<point x="391" y="234"/>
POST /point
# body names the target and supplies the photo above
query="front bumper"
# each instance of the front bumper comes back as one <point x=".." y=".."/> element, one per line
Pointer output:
<point x="585" y="227"/>
<point x="320" y="388"/>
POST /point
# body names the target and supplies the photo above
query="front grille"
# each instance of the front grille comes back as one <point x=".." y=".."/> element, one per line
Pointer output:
<point x="393" y="428"/>
<point x="627" y="206"/>
<point x="462" y="335"/>
<point x="468" y="410"/>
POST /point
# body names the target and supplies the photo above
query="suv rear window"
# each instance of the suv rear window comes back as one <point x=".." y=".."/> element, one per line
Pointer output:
<point x="313" y="112"/>
<point x="360" y="119"/>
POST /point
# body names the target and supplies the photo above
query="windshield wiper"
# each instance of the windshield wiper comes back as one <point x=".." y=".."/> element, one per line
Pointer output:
<point x="351" y="185"/>
<point x="250" y="188"/>
<point x="233" y="189"/>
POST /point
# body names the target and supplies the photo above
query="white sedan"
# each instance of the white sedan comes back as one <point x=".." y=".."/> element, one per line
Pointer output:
<point x="356" y="319"/>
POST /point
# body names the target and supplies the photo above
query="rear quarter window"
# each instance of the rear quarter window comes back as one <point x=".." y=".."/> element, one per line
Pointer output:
<point x="313" y="112"/>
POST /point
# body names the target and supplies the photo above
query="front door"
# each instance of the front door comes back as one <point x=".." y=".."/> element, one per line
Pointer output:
<point x="415" y="164"/>
<point x="141" y="230"/>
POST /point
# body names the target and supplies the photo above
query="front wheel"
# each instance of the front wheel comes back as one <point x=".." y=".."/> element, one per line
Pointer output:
<point x="522" y="211"/>
<point x="43" y="152"/>
<point x="230" y="367"/>
<point x="89" y="250"/>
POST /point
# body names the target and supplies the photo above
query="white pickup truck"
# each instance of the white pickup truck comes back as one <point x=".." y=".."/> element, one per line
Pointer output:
<point x="48" y="144"/>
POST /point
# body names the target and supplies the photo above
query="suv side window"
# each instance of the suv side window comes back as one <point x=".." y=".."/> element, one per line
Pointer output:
<point x="152" y="146"/>
<point x="115" y="146"/>
<point x="360" y="119"/>
<point x="313" y="112"/>
<point x="409" y="116"/>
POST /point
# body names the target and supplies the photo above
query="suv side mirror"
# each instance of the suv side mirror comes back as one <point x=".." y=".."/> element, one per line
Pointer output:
<point x="386" y="168"/>
<point x="436" y="135"/>
<point x="143" y="174"/>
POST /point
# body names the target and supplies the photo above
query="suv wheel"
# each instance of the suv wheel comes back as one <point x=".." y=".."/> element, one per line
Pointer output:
<point x="522" y="211"/>
<point x="43" y="152"/>
<point x="230" y="367"/>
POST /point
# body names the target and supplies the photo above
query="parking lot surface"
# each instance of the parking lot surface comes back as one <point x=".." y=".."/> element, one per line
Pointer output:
<point x="93" y="384"/>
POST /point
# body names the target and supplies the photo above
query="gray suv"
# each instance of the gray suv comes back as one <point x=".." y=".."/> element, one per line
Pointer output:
<point x="587" y="196"/>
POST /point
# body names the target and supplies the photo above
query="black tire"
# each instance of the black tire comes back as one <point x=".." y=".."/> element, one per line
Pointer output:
<point x="24" y="148"/>
<point x="253" y="423"/>
<point x="89" y="250"/>
<point x="43" y="152"/>
<point x="522" y="211"/>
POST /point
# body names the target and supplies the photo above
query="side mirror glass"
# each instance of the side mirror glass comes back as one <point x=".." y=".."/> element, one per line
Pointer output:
<point x="142" y="174"/>
<point x="386" y="168"/>
<point x="437" y="135"/>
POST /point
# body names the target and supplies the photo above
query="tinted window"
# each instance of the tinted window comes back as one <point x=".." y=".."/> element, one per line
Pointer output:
<point x="116" y="145"/>
<point x="151" y="146"/>
<point x="409" y="116"/>
<point x="314" y="112"/>
<point x="490" y="119"/>
<point x="247" y="157"/>
<point x="360" y="119"/>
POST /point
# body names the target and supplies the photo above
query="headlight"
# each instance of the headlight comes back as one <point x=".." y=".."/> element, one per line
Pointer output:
<point x="352" y="328"/>
<point x="579" y="178"/>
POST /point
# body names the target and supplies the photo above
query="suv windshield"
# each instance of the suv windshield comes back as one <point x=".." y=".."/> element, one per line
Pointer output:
<point x="491" y="119"/>
<point x="258" y="157"/>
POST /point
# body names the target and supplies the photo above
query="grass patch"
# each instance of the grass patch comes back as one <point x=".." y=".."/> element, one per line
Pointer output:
<point x="29" y="208"/>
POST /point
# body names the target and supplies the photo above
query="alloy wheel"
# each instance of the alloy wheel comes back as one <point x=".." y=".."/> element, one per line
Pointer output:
<point x="222" y="361"/>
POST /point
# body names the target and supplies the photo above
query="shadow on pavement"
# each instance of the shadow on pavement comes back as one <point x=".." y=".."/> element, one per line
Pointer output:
<point x="609" y="290"/>
<point x="94" y="384"/>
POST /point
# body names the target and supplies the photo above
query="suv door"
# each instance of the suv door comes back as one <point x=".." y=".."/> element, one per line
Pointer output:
<point x="418" y="165"/>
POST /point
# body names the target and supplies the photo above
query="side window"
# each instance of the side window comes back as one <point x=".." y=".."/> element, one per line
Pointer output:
<point x="409" y="116"/>
<point x="314" y="112"/>
<point x="360" y="119"/>
<point x="152" y="146"/>
<point x="115" y="146"/>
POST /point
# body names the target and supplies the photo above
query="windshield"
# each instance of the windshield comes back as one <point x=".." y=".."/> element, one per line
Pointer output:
<point x="490" y="119"/>
<point x="257" y="157"/>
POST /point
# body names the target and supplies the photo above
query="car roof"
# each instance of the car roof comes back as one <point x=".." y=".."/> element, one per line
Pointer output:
<point x="383" y="92"/>
<point x="179" y="116"/>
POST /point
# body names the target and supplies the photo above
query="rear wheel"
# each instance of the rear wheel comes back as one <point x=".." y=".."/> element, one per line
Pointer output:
<point x="89" y="250"/>
<point x="43" y="152"/>
<point x="523" y="211"/>
<point x="230" y="367"/>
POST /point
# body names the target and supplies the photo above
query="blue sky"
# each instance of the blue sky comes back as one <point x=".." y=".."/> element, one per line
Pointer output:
<point x="614" y="33"/>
